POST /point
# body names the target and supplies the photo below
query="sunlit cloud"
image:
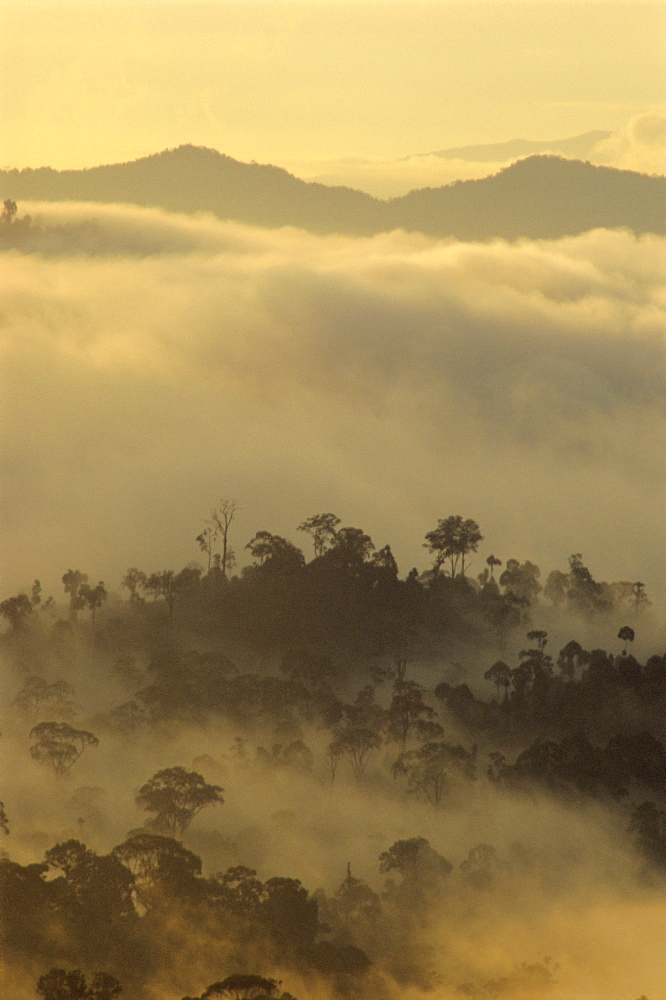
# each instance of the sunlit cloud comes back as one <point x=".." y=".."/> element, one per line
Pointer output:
<point x="153" y="362"/>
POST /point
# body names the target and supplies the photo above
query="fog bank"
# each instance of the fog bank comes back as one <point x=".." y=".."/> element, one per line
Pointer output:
<point x="153" y="363"/>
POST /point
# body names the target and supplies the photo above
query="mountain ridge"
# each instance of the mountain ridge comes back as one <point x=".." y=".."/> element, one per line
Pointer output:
<point x="540" y="196"/>
<point x="578" y="146"/>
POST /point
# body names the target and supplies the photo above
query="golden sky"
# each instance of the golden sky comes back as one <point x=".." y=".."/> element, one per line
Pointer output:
<point x="109" y="80"/>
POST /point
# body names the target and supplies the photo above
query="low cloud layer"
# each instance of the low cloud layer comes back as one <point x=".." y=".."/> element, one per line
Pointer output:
<point x="639" y="145"/>
<point x="154" y="363"/>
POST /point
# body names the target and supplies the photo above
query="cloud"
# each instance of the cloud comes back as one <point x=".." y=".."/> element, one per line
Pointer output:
<point x="639" y="145"/>
<point x="155" y="362"/>
<point x="392" y="178"/>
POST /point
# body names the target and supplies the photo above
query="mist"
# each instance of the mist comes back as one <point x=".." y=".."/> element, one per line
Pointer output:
<point x="639" y="145"/>
<point x="154" y="362"/>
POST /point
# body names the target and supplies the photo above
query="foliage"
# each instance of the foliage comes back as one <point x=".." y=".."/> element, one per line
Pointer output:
<point x="433" y="768"/>
<point x="63" y="984"/>
<point x="37" y="692"/>
<point x="59" y="744"/>
<point x="176" y="796"/>
<point x="453" y="539"/>
<point x="4" y="822"/>
<point x="15" y="609"/>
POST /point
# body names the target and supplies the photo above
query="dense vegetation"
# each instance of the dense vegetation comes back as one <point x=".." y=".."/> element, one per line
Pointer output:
<point x="343" y="668"/>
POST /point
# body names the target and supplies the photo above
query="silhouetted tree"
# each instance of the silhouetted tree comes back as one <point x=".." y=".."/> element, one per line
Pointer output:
<point x="176" y="796"/>
<point x="161" y="867"/>
<point x="59" y="744"/>
<point x="37" y="692"/>
<point x="220" y="520"/>
<point x="640" y="598"/>
<point x="15" y="609"/>
<point x="92" y="597"/>
<point x="135" y="580"/>
<point x="4" y="822"/>
<point x="431" y="770"/>
<point x="72" y="581"/>
<point x="322" y="527"/>
<point x="275" y="553"/>
<point x="242" y="987"/>
<point x="409" y="713"/>
<point x="522" y="581"/>
<point x="572" y="657"/>
<point x="492" y="562"/>
<point x="627" y="635"/>
<point x="453" y="539"/>
<point x="500" y="675"/>
<point x="63" y="984"/>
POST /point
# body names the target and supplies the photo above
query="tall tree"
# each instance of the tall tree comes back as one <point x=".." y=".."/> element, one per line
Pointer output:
<point x="322" y="527"/>
<point x="176" y="796"/>
<point x="15" y="609"/>
<point x="59" y="744"/>
<point x="72" y="581"/>
<point x="220" y="521"/>
<point x="92" y="597"/>
<point x="453" y="539"/>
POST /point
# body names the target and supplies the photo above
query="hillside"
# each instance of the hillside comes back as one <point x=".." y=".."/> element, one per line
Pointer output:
<point x="541" y="196"/>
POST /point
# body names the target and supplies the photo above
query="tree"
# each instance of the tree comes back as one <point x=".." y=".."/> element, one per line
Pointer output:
<point x="63" y="984"/>
<point x="500" y="675"/>
<point x="521" y="581"/>
<point x="159" y="864"/>
<point x="584" y="592"/>
<point x="4" y="822"/>
<point x="92" y="597"/>
<point x="355" y="742"/>
<point x="322" y="527"/>
<point x="275" y="553"/>
<point x="134" y="580"/>
<point x="176" y="796"/>
<point x="59" y="744"/>
<point x="350" y="549"/>
<point x="492" y="562"/>
<point x="72" y="581"/>
<point x="9" y="210"/>
<point x="161" y="584"/>
<point x="220" y="521"/>
<point x="15" y="609"/>
<point x="423" y="871"/>
<point x="627" y="635"/>
<point x="242" y="987"/>
<point x="409" y="713"/>
<point x="453" y="539"/>
<point x="354" y="901"/>
<point x="205" y="541"/>
<point x="36" y="691"/>
<point x="640" y="598"/>
<point x="572" y="657"/>
<point x="557" y="587"/>
<point x="431" y="769"/>
<point x="101" y="886"/>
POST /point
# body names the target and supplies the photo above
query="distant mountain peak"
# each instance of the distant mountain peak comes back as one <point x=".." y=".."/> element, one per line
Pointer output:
<point x="578" y="146"/>
<point x="540" y="196"/>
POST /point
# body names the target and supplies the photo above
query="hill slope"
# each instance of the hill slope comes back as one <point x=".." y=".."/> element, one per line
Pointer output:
<point x="542" y="196"/>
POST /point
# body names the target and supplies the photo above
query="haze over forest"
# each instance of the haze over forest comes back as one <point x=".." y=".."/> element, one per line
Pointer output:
<point x="332" y="436"/>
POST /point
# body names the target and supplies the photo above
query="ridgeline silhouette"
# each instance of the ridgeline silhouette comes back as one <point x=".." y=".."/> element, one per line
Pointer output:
<point x="539" y="197"/>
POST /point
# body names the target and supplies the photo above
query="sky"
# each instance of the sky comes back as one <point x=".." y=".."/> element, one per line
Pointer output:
<point x="311" y="82"/>
<point x="155" y="363"/>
